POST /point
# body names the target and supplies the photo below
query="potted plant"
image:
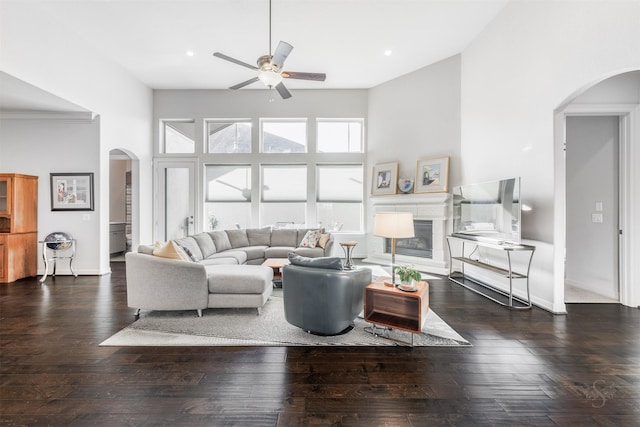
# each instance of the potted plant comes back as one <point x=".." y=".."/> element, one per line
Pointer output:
<point x="407" y="275"/>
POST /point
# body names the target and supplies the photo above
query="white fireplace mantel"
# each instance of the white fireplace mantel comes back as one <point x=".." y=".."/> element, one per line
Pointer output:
<point x="428" y="206"/>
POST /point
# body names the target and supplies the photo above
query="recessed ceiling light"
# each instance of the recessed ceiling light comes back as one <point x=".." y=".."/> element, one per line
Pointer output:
<point x="388" y="52"/>
<point x="189" y="53"/>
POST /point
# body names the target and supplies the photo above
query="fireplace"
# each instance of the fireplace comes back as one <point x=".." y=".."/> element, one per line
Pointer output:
<point x="419" y="246"/>
<point x="425" y="252"/>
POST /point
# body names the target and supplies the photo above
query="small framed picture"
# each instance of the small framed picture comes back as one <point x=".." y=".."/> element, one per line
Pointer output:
<point x="432" y="175"/>
<point x="71" y="191"/>
<point x="385" y="179"/>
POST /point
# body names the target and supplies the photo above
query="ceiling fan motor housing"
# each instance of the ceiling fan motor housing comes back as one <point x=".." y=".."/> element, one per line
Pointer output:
<point x="264" y="63"/>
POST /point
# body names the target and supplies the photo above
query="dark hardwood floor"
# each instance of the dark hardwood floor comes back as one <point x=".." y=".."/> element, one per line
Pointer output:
<point x="525" y="368"/>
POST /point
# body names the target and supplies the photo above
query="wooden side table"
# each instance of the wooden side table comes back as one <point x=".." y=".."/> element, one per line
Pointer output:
<point x="389" y="306"/>
<point x="276" y="264"/>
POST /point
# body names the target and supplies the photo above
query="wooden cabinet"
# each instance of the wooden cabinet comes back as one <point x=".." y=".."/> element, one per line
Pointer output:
<point x="18" y="226"/>
<point x="117" y="237"/>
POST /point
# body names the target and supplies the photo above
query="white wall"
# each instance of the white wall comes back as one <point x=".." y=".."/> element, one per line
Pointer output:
<point x="530" y="59"/>
<point x="43" y="53"/>
<point x="417" y="116"/>
<point x="39" y="147"/>
<point x="592" y="176"/>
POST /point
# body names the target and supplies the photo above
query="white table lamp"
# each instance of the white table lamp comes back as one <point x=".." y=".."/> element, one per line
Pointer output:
<point x="393" y="225"/>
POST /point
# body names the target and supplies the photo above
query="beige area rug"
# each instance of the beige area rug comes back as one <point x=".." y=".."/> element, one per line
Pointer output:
<point x="243" y="327"/>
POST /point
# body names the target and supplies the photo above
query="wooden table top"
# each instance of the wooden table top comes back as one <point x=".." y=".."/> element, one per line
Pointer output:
<point x="276" y="262"/>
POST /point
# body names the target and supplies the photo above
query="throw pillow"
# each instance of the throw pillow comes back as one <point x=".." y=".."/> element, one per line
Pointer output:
<point x="332" y="263"/>
<point x="310" y="240"/>
<point x="170" y="250"/>
<point x="323" y="240"/>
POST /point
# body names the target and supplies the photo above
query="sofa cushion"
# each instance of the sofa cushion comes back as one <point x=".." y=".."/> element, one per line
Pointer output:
<point x="205" y="242"/>
<point x="254" y="252"/>
<point x="309" y="252"/>
<point x="238" y="238"/>
<point x="278" y="251"/>
<point x="145" y="249"/>
<point x="332" y="263"/>
<point x="259" y="236"/>
<point x="284" y="238"/>
<point x="310" y="239"/>
<point x="221" y="260"/>
<point x="221" y="240"/>
<point x="323" y="240"/>
<point x="235" y="279"/>
<point x="191" y="247"/>
<point x="170" y="250"/>
<point x="240" y="256"/>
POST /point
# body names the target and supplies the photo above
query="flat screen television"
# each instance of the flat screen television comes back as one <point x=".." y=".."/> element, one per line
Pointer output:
<point x="488" y="211"/>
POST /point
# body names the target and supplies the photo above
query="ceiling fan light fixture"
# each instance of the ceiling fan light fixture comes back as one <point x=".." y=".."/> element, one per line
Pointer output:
<point x="270" y="78"/>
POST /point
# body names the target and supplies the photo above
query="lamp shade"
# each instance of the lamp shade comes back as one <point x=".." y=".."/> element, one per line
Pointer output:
<point x="393" y="225"/>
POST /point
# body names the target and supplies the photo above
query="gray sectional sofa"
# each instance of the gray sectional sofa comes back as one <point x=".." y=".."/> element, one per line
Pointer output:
<point x="224" y="270"/>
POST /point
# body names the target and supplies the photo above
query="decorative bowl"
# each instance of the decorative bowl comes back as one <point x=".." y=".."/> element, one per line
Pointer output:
<point x="405" y="185"/>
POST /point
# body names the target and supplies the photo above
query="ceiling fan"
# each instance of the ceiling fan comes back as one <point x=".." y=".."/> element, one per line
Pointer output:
<point x="270" y="68"/>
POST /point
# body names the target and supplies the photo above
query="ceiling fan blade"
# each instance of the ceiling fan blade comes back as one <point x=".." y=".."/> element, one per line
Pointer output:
<point x="320" y="77"/>
<point x="235" y="61"/>
<point x="243" y="84"/>
<point x="282" y="51"/>
<point x="283" y="91"/>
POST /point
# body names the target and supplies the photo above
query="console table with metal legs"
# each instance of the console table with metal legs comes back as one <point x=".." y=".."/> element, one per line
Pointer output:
<point x="65" y="253"/>
<point x="461" y="278"/>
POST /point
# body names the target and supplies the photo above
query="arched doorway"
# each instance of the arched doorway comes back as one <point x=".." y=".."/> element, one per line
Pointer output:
<point x="602" y="231"/>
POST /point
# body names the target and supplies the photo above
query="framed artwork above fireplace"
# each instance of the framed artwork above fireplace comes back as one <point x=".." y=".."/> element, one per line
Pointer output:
<point x="432" y="175"/>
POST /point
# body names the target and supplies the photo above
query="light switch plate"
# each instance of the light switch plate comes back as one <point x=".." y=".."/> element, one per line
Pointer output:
<point x="598" y="206"/>
<point x="596" y="218"/>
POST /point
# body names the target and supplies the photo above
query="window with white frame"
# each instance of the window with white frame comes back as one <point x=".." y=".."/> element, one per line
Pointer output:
<point x="283" y="135"/>
<point x="339" y="136"/>
<point x="228" y="136"/>
<point x="283" y="194"/>
<point x="339" y="197"/>
<point x="227" y="196"/>
<point x="178" y="136"/>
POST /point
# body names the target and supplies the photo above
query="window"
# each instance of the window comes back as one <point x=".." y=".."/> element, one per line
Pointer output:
<point x="283" y="136"/>
<point x="227" y="136"/>
<point x="339" y="136"/>
<point x="339" y="197"/>
<point x="227" y="196"/>
<point x="284" y="194"/>
<point x="178" y="136"/>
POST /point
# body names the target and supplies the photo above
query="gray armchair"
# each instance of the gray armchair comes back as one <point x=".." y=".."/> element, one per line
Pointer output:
<point x="321" y="298"/>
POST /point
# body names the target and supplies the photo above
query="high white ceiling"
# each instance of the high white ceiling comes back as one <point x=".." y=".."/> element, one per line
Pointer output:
<point x="346" y="39"/>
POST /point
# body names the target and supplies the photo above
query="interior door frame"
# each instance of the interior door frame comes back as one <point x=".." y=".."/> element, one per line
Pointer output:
<point x="159" y="166"/>
<point x="628" y="202"/>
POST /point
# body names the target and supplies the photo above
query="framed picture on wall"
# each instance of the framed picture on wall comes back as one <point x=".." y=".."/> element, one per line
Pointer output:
<point x="385" y="179"/>
<point x="71" y="191"/>
<point x="432" y="175"/>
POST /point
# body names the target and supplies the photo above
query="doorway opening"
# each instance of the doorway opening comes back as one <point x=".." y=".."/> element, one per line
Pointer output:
<point x="123" y="204"/>
<point x="592" y="209"/>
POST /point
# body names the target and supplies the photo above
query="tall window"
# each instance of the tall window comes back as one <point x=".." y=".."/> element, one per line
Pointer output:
<point x="340" y="136"/>
<point x="284" y="194"/>
<point x="227" y="136"/>
<point x="227" y="196"/>
<point x="339" y="197"/>
<point x="283" y="136"/>
<point x="178" y="136"/>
